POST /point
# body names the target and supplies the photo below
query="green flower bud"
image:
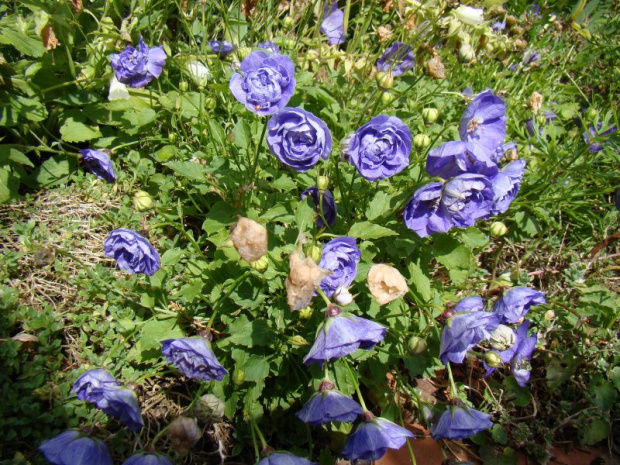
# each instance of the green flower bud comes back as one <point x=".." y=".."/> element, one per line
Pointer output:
<point x="142" y="201"/>
<point x="288" y="43"/>
<point x="183" y="86"/>
<point x="421" y="141"/>
<point x="322" y="182"/>
<point x="261" y="264"/>
<point x="210" y="103"/>
<point x="492" y="359"/>
<point x="315" y="253"/>
<point x="498" y="229"/>
<point x="387" y="98"/>
<point x="288" y="22"/>
<point x="591" y="113"/>
<point x="172" y="137"/>
<point x="467" y="53"/>
<point x="305" y="313"/>
<point x="430" y="115"/>
<point x="298" y="341"/>
<point x="416" y="346"/>
<point x="238" y="377"/>
<point x="385" y="80"/>
<point x="243" y="52"/>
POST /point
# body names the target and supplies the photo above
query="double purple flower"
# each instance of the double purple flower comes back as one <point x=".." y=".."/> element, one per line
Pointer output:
<point x="328" y="205"/>
<point x="265" y="83"/>
<point x="194" y="358"/>
<point x="484" y="122"/>
<point x="73" y="448"/>
<point x="340" y="256"/>
<point x="371" y="439"/>
<point x="132" y="252"/>
<point x="516" y="303"/>
<point x="463" y="331"/>
<point x="136" y="67"/>
<point x="460" y="423"/>
<point x="99" y="164"/>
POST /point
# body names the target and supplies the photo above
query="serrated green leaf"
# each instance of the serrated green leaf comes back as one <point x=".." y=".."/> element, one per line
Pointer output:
<point x="76" y="131"/>
<point x="51" y="171"/>
<point x="242" y="134"/>
<point x="499" y="434"/>
<point x="250" y="333"/>
<point x="256" y="368"/>
<point x="8" y="185"/>
<point x="596" y="431"/>
<point x="24" y="44"/>
<point x="454" y="256"/>
<point x="420" y="282"/>
<point x="368" y="231"/>
<point x="188" y="169"/>
<point x="9" y="153"/>
<point x="379" y="206"/>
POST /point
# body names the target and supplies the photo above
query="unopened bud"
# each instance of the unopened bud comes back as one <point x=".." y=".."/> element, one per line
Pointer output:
<point x="421" y="141"/>
<point x="322" y="182"/>
<point x="172" y="137"/>
<point x="261" y="264"/>
<point x="493" y="359"/>
<point x="454" y="26"/>
<point x="199" y="72"/>
<point x="288" y="43"/>
<point x="238" y="377"/>
<point x="385" y="80"/>
<point x="142" y="201"/>
<point x="467" y="53"/>
<point x="430" y="115"/>
<point x="416" y="346"/>
<point x="447" y="314"/>
<point x="183" y="433"/>
<point x="288" y="21"/>
<point x="209" y="409"/>
<point x="511" y="20"/>
<point x="305" y="313"/>
<point x="298" y="341"/>
<point x="342" y="296"/>
<point x="183" y="86"/>
<point x="243" y="52"/>
<point x="591" y="113"/>
<point x="387" y="98"/>
<point x="502" y="338"/>
<point x="498" y="229"/>
<point x="549" y="315"/>
<point x="250" y="239"/>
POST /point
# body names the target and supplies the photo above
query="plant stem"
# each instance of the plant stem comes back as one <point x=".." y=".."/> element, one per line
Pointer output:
<point x="452" y="385"/>
<point x="323" y="296"/>
<point x="357" y="387"/>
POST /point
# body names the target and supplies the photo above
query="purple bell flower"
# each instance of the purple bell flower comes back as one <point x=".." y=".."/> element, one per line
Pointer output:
<point x="593" y="133"/>
<point x="456" y="157"/>
<point x="506" y="184"/>
<point x="424" y="213"/>
<point x="132" y="252"/>
<point x="332" y="26"/>
<point x="398" y="58"/>
<point x="92" y="380"/>
<point x="484" y="122"/>
<point x="518" y="355"/>
<point x="221" y="47"/>
<point x="72" y="448"/>
<point x="120" y="403"/>
<point x="298" y="138"/>
<point x="342" y="334"/>
<point x="285" y="458"/>
<point x="265" y="83"/>
<point x="531" y="57"/>
<point x="371" y="439"/>
<point x="460" y="423"/>
<point x="340" y="256"/>
<point x="194" y="358"/>
<point x="270" y="46"/>
<point x="99" y="164"/>
<point x="498" y="26"/>
<point x="470" y="304"/>
<point x="515" y="303"/>
<point x="136" y="67"/>
<point x="328" y="405"/>
<point x="463" y="331"/>
<point x="147" y="459"/>
<point x="381" y="148"/>
<point x="467" y="198"/>
<point x="329" y="205"/>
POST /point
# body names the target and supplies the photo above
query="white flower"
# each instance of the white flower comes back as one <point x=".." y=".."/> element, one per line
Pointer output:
<point x="342" y="296"/>
<point x="469" y="15"/>
<point x="118" y="91"/>
<point x="199" y="72"/>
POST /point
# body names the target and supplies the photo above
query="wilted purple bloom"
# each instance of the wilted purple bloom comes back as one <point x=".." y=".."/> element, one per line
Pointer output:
<point x="371" y="439"/>
<point x="92" y="380"/>
<point x="515" y="303"/>
<point x="460" y="423"/>
<point x="531" y="57"/>
<point x="467" y="198"/>
<point x="506" y="184"/>
<point x="424" y="213"/>
<point x="72" y="448"/>
<point x="221" y="47"/>
<point x="332" y="25"/>
<point x="194" y="358"/>
<point x="340" y="256"/>
<point x="269" y="45"/>
<point x="265" y="83"/>
<point x="285" y="458"/>
<point x="470" y="304"/>
<point x="341" y="335"/>
<point x="136" y="67"/>
<point x="484" y="122"/>
<point x="529" y="124"/>
<point x="457" y="157"/>
<point x="498" y="26"/>
<point x="298" y="138"/>
<point x="463" y="331"/>
<point x="132" y="252"/>
<point x="398" y="58"/>
<point x="592" y="133"/>
<point x="327" y="406"/>
<point x="328" y="205"/>
<point x="504" y="150"/>
<point x="120" y="403"/>
<point x="147" y="459"/>
<point x="99" y="164"/>
<point x="380" y="148"/>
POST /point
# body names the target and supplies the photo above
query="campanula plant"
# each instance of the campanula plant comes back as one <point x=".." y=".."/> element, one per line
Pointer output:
<point x="194" y="358"/>
<point x="136" y="67"/>
<point x="132" y="252"/>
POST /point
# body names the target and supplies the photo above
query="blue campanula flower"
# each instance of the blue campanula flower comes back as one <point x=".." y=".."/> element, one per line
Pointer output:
<point x="194" y="358"/>
<point x="470" y="304"/>
<point x="340" y="256"/>
<point x="484" y="122"/>
<point x="381" y="148"/>
<point x="97" y="378"/>
<point x="518" y="355"/>
<point x="506" y="184"/>
<point x="397" y="59"/>
<point x="136" y="67"/>
<point x="328" y="204"/>
<point x="342" y="334"/>
<point x="371" y="439"/>
<point x="132" y="252"/>
<point x="593" y="133"/>
<point x="467" y="198"/>
<point x="285" y="458"/>
<point x="269" y="45"/>
<point x="72" y="448"/>
<point x="460" y="423"/>
<point x="463" y="331"/>
<point x="120" y="403"/>
<point x="457" y="157"/>
<point x="329" y="405"/>
<point x="221" y="47"/>
<point x="265" y="83"/>
<point x="99" y="164"/>
<point x="298" y="138"/>
<point x="531" y="57"/>
<point x="147" y="459"/>
<point x="424" y="213"/>
<point x="332" y="25"/>
<point x="515" y="303"/>
<point x="505" y="150"/>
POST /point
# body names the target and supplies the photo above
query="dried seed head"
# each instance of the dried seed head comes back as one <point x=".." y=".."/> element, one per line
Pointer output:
<point x="184" y="434"/>
<point x="535" y="102"/>
<point x="435" y="68"/>
<point x="302" y="281"/>
<point x="386" y="283"/>
<point x="250" y="239"/>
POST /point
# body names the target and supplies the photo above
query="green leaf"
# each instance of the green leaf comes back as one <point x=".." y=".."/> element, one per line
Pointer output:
<point x="171" y="257"/>
<point x="596" y="431"/>
<point x="527" y="224"/>
<point x="23" y="43"/>
<point x="614" y="376"/>
<point x="603" y="392"/>
<point x="256" y="368"/>
<point x="52" y="171"/>
<point x="14" y="107"/>
<point x="148" y="346"/>
<point x="76" y="131"/>
<point x="135" y="119"/>
<point x="379" y="206"/>
<point x="368" y="231"/>
<point x="250" y="333"/>
<point x="304" y="216"/>
<point x="188" y="169"/>
<point x="242" y="134"/>
<point x="8" y="185"/>
<point x="220" y="216"/>
<point x="9" y="153"/>
<point x="499" y="434"/>
<point x="166" y="153"/>
<point x="420" y="282"/>
<point x="454" y="256"/>
<point x="473" y="238"/>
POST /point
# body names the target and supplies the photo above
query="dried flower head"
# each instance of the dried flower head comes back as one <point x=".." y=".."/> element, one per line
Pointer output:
<point x="535" y="102"/>
<point x="435" y="68"/>
<point x="184" y="433"/>
<point x="386" y="283"/>
<point x="302" y="281"/>
<point x="250" y="239"/>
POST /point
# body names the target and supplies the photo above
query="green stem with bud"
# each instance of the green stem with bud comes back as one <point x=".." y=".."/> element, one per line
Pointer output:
<point x="323" y="296"/>
<point x="357" y="387"/>
<point x="263" y="443"/>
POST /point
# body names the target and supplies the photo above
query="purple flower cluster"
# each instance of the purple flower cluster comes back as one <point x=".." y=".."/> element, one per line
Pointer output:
<point x="474" y="186"/>
<point x="100" y="388"/>
<point x="136" y="67"/>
